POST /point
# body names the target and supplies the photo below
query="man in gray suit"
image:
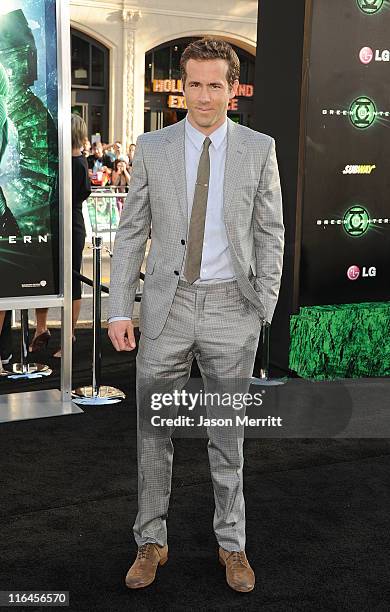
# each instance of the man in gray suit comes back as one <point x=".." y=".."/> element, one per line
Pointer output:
<point x="210" y="191"/>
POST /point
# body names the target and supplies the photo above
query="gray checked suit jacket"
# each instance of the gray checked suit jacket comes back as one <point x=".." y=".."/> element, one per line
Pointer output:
<point x="158" y="197"/>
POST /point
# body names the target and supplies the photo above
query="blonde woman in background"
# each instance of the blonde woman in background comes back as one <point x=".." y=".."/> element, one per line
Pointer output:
<point x="81" y="189"/>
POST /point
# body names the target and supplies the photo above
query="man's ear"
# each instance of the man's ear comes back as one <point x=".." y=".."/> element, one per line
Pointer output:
<point x="234" y="89"/>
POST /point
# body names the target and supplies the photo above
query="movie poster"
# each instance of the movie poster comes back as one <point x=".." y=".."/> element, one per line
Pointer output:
<point x="29" y="203"/>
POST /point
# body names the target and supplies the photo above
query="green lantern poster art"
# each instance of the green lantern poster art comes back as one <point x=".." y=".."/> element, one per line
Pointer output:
<point x="29" y="201"/>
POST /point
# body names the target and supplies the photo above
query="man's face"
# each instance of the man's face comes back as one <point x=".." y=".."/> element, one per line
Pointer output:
<point x="98" y="150"/>
<point x="117" y="148"/>
<point x="208" y="93"/>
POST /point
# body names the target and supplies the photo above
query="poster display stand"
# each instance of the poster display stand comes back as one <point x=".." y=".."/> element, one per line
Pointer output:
<point x="97" y="394"/>
<point x="47" y="105"/>
<point x="25" y="369"/>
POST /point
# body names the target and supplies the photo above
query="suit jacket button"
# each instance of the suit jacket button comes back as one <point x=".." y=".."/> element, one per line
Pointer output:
<point x="176" y="272"/>
<point x="183" y="241"/>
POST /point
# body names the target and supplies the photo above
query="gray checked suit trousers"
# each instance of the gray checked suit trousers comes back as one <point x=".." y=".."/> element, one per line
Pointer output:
<point x="218" y="326"/>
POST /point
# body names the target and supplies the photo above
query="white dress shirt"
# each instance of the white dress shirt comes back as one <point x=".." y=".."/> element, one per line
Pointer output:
<point x="216" y="265"/>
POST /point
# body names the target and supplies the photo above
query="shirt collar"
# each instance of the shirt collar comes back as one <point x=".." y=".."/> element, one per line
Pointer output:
<point x="197" y="138"/>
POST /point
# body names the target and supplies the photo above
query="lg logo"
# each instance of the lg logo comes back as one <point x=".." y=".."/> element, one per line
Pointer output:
<point x="353" y="272"/>
<point x="366" y="55"/>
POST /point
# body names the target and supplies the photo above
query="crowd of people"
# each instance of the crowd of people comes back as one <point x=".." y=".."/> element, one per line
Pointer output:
<point x="109" y="164"/>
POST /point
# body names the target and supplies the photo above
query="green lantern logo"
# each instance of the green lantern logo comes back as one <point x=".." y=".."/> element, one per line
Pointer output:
<point x="362" y="112"/>
<point x="370" y="7"/>
<point x="356" y="221"/>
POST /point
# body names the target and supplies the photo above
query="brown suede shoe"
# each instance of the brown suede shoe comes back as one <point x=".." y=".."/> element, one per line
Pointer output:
<point x="239" y="574"/>
<point x="143" y="571"/>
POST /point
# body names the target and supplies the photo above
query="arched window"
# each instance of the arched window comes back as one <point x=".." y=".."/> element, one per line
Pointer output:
<point x="90" y="78"/>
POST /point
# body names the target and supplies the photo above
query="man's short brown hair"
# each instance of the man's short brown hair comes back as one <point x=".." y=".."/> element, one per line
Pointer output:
<point x="209" y="49"/>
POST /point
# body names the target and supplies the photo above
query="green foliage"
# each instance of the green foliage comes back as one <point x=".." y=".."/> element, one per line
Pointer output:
<point x="346" y="341"/>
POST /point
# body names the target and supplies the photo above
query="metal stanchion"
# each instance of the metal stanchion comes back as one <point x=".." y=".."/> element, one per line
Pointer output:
<point x="3" y="372"/>
<point x="97" y="394"/>
<point x="24" y="369"/>
<point x="263" y="378"/>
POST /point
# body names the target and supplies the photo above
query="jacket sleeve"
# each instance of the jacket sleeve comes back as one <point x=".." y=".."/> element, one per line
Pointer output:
<point x="130" y="240"/>
<point x="268" y="231"/>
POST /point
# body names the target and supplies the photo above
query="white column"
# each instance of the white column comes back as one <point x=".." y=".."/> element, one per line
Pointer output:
<point x="130" y="19"/>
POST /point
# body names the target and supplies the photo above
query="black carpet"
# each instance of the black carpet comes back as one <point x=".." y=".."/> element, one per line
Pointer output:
<point x="318" y="513"/>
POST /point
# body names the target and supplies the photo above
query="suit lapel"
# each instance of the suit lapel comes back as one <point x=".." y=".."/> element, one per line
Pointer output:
<point x="175" y="150"/>
<point x="235" y="155"/>
<point x="174" y="146"/>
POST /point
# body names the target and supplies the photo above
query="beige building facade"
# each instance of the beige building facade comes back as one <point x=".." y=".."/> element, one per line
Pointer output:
<point x="130" y="31"/>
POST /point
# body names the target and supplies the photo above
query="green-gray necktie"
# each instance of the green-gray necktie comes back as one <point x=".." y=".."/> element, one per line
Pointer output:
<point x="198" y="216"/>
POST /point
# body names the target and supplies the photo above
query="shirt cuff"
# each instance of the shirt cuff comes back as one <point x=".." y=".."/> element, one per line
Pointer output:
<point x="112" y="319"/>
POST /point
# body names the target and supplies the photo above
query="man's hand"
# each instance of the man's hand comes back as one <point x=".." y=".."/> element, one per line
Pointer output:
<point x="121" y="334"/>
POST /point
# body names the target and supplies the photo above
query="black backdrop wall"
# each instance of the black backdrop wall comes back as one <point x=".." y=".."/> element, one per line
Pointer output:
<point x="277" y="105"/>
<point x="345" y="211"/>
